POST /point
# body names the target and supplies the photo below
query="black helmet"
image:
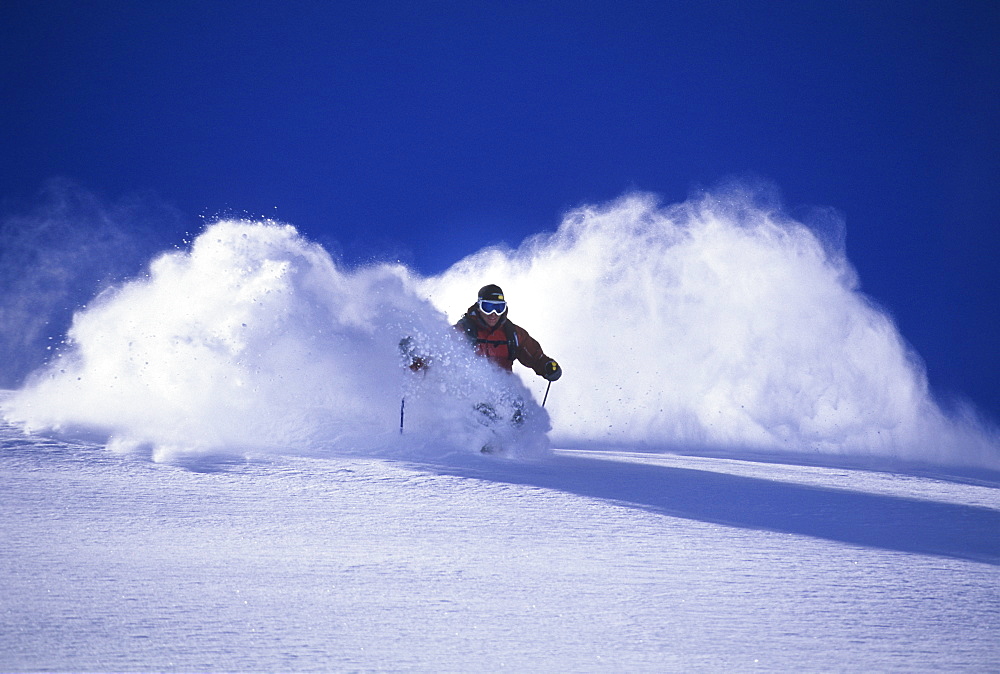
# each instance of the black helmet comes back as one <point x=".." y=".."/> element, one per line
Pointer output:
<point x="491" y="301"/>
<point x="492" y="293"/>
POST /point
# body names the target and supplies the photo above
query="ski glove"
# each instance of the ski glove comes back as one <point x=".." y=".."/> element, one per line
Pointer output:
<point x="551" y="370"/>
<point x="412" y="360"/>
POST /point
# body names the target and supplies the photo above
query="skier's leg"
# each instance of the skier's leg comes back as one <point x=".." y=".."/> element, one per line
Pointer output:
<point x="517" y="418"/>
<point x="488" y="414"/>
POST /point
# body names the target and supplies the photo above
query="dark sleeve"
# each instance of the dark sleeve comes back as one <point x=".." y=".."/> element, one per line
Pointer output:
<point x="463" y="325"/>
<point x="529" y="352"/>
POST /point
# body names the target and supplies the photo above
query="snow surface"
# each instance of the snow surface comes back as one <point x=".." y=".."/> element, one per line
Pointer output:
<point x="209" y="473"/>
<point x="587" y="561"/>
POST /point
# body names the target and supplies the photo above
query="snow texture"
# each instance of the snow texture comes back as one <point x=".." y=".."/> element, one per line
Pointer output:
<point x="588" y="561"/>
<point x="759" y="477"/>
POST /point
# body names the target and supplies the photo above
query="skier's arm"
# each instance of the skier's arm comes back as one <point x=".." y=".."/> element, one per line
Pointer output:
<point x="530" y="354"/>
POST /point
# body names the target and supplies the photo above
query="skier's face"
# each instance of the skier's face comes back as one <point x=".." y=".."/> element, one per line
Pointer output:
<point x="491" y="319"/>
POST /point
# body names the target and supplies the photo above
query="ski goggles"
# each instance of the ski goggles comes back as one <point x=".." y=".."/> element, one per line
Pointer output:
<point x="492" y="307"/>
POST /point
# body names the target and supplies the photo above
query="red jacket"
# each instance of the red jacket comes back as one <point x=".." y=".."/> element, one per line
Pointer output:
<point x="503" y="343"/>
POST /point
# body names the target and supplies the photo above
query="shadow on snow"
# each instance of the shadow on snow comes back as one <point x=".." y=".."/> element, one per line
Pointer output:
<point x="853" y="517"/>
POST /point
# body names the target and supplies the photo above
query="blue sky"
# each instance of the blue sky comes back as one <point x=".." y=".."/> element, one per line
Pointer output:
<point x="425" y="130"/>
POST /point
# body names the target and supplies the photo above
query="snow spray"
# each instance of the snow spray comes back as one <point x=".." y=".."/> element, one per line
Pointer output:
<point x="58" y="255"/>
<point x="255" y="341"/>
<point x="715" y="323"/>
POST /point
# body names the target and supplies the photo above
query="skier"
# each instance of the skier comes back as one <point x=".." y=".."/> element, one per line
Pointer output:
<point x="502" y="342"/>
<point x="493" y="336"/>
<point x="497" y="338"/>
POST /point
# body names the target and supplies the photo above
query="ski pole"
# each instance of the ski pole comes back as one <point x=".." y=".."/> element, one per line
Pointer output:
<point x="402" y="407"/>
<point x="546" y="394"/>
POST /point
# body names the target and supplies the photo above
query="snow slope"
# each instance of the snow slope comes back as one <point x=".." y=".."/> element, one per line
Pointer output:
<point x="589" y="561"/>
<point x="209" y="473"/>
